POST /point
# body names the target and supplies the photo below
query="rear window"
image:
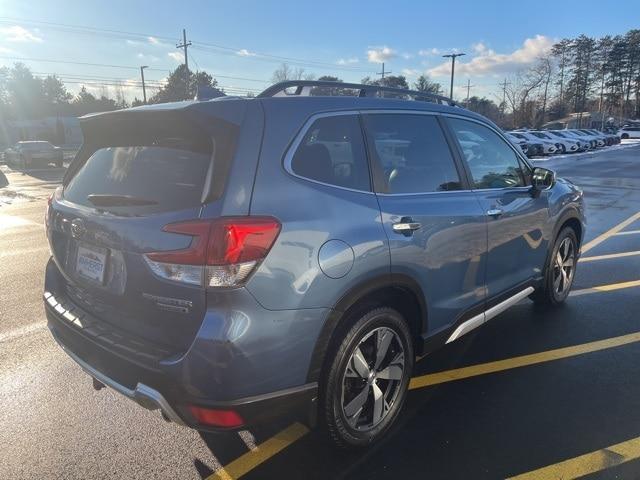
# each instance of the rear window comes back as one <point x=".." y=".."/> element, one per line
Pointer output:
<point x="164" y="175"/>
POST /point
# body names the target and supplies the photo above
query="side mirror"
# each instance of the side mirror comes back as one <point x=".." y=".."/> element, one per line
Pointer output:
<point x="542" y="179"/>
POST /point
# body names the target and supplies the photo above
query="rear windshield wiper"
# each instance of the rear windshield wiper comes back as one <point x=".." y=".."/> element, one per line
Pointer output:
<point x="108" y="200"/>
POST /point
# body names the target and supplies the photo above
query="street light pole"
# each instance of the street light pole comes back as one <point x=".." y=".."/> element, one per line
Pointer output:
<point x="453" y="56"/>
<point x="144" y="90"/>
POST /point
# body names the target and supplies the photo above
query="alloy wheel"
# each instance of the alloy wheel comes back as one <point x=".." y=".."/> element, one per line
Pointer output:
<point x="372" y="379"/>
<point x="564" y="267"/>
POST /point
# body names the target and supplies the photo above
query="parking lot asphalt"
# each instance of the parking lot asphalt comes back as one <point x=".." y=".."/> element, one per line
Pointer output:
<point x="534" y="394"/>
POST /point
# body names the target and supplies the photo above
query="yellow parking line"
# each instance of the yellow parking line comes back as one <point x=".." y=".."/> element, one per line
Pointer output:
<point x="589" y="463"/>
<point x="609" y="233"/>
<point x="522" y="361"/>
<point x="610" y="256"/>
<point x="606" y="288"/>
<point x="250" y="460"/>
<point x="628" y="232"/>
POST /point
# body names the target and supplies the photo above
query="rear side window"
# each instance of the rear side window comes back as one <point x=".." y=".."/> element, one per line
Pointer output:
<point x="411" y="154"/>
<point x="164" y="175"/>
<point x="332" y="152"/>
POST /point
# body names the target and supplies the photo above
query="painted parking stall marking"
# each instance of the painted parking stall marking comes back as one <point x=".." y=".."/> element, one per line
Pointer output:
<point x="588" y="463"/>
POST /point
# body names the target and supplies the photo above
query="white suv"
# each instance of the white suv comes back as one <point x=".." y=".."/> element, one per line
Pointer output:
<point x="629" y="132"/>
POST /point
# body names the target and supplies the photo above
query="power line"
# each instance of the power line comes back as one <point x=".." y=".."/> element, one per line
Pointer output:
<point x="77" y="63"/>
<point x="127" y="67"/>
<point x="206" y="46"/>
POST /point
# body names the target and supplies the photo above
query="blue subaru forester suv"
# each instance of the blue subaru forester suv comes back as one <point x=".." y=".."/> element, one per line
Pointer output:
<point x="227" y="261"/>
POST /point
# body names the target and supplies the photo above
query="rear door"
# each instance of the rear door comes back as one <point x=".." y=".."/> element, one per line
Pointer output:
<point x="130" y="181"/>
<point x="436" y="228"/>
<point x="517" y="243"/>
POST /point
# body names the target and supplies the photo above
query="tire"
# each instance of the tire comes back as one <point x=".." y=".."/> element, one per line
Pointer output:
<point x="563" y="149"/>
<point x="557" y="280"/>
<point x="353" y="379"/>
<point x="625" y="136"/>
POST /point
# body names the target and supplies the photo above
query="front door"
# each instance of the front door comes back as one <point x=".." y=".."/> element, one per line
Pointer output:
<point x="517" y="244"/>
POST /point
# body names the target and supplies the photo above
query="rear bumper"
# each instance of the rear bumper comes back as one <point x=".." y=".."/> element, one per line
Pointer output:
<point x="159" y="390"/>
<point x="142" y="394"/>
<point x="244" y="357"/>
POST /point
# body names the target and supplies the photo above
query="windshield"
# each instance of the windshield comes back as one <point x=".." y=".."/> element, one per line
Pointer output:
<point x="540" y="135"/>
<point x="34" y="145"/>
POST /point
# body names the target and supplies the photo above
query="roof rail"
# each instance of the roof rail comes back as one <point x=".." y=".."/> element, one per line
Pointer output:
<point x="304" y="88"/>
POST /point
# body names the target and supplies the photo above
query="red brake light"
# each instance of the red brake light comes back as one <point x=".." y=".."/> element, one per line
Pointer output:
<point x="216" y="418"/>
<point x="229" y="249"/>
<point x="239" y="240"/>
<point x="223" y="241"/>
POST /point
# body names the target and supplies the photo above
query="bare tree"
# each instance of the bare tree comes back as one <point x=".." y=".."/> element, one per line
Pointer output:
<point x="519" y="95"/>
<point x="285" y="72"/>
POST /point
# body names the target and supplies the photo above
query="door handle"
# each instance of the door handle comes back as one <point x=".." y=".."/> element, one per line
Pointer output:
<point x="494" y="212"/>
<point x="406" y="226"/>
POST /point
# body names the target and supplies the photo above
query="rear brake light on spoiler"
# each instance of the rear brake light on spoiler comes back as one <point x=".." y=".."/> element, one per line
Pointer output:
<point x="223" y="252"/>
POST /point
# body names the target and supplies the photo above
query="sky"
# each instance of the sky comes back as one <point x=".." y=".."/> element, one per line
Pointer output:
<point x="241" y="42"/>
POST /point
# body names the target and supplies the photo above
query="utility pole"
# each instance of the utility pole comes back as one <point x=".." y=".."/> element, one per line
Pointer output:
<point x="383" y="72"/>
<point x="453" y="57"/>
<point x="504" y="86"/>
<point x="469" y="87"/>
<point x="184" y="45"/>
<point x="144" y="90"/>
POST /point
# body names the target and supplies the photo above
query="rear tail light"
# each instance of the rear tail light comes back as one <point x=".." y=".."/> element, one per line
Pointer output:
<point x="223" y="252"/>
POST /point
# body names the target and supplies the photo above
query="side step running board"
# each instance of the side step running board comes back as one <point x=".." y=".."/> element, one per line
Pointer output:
<point x="487" y="315"/>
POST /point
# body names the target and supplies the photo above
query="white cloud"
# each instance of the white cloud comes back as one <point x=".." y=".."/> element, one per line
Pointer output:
<point x="17" y="33"/>
<point x="243" y="52"/>
<point x="429" y="51"/>
<point x="347" y="61"/>
<point x="177" y="56"/>
<point x="406" y="55"/>
<point x="488" y="62"/>
<point x="380" y="54"/>
<point x="148" y="58"/>
<point x="150" y="41"/>
<point x="411" y="72"/>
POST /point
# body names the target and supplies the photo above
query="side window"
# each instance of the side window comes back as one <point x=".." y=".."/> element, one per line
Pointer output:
<point x="411" y="154"/>
<point x="492" y="162"/>
<point x="332" y="151"/>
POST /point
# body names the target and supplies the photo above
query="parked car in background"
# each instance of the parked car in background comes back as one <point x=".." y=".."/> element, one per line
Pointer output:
<point x="520" y="142"/>
<point x="629" y="132"/>
<point x="561" y="134"/>
<point x="33" y="153"/>
<point x="232" y="260"/>
<point x="564" y="145"/>
<point x="534" y="149"/>
<point x="548" y="146"/>
<point x="595" y="140"/>
<point x="608" y="141"/>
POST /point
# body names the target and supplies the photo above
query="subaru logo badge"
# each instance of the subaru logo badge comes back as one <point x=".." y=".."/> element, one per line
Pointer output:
<point x="77" y="228"/>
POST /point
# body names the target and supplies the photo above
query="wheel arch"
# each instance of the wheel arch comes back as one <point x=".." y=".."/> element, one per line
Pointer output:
<point x="391" y="290"/>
